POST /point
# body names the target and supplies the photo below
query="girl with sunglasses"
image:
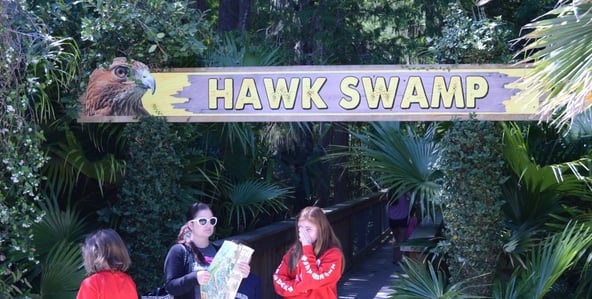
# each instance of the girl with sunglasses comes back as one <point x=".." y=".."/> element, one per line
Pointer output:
<point x="186" y="264"/>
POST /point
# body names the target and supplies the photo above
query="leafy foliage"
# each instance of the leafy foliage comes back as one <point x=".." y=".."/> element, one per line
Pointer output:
<point x="558" y="49"/>
<point x="93" y="155"/>
<point x="473" y="216"/>
<point x="402" y="161"/>
<point x="157" y="32"/>
<point x="234" y="49"/>
<point x="57" y="240"/>
<point x="424" y="282"/>
<point x="88" y="162"/>
<point x="351" y="31"/>
<point x="29" y="65"/>
<point x="243" y="189"/>
<point x="466" y="40"/>
<point x="547" y="263"/>
<point x="62" y="271"/>
<point x="514" y="13"/>
<point x="297" y="151"/>
<point x="249" y="200"/>
<point x="540" y="197"/>
<point x="150" y="201"/>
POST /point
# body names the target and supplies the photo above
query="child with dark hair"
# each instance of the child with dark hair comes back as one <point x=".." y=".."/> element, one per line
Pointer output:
<point x="314" y="264"/>
<point x="186" y="264"/>
<point x="106" y="259"/>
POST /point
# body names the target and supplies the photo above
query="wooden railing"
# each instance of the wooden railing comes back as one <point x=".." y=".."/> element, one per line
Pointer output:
<point x="359" y="224"/>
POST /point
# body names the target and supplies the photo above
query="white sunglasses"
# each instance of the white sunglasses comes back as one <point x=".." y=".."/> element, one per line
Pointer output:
<point x="204" y="221"/>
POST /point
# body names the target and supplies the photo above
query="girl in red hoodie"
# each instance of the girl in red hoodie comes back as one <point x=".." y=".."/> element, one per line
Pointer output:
<point x="106" y="259"/>
<point x="313" y="265"/>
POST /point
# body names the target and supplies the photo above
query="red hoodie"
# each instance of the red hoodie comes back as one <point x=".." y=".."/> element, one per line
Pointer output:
<point x="108" y="285"/>
<point x="312" y="278"/>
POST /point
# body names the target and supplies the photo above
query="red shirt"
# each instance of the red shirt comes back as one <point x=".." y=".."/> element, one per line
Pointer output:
<point x="312" y="278"/>
<point x="108" y="285"/>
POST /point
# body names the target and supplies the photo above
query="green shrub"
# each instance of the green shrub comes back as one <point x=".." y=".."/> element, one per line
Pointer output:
<point x="157" y="32"/>
<point x="149" y="211"/>
<point x="29" y="66"/>
<point x="471" y="40"/>
<point x="474" y="173"/>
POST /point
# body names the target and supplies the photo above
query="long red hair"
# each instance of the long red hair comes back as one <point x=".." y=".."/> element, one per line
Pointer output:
<point x="326" y="238"/>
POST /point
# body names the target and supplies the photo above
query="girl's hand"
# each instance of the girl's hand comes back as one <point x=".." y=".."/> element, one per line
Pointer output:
<point x="203" y="277"/>
<point x="303" y="236"/>
<point x="244" y="268"/>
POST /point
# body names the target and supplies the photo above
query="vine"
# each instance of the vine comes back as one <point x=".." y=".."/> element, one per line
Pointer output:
<point x="20" y="157"/>
<point x="474" y="173"/>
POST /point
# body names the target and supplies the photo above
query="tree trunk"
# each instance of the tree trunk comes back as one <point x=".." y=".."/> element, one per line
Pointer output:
<point x="234" y="15"/>
<point x="339" y="173"/>
<point x="323" y="188"/>
<point x="201" y="5"/>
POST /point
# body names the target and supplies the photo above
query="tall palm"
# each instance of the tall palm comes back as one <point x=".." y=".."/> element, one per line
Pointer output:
<point x="559" y="50"/>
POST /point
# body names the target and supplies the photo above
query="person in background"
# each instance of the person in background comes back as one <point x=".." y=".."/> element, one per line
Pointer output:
<point x="314" y="264"/>
<point x="398" y="213"/>
<point x="250" y="288"/>
<point x="186" y="264"/>
<point x="105" y="260"/>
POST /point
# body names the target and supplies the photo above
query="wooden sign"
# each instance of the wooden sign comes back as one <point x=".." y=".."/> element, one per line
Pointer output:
<point x="326" y="93"/>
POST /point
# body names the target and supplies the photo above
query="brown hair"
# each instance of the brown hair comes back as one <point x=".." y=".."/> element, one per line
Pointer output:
<point x="105" y="250"/>
<point x="326" y="238"/>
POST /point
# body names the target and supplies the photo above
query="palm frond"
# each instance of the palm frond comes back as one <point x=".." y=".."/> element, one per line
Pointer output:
<point x="241" y="134"/>
<point x="548" y="262"/>
<point x="537" y="178"/>
<point x="251" y="198"/>
<point x="402" y="162"/>
<point x="69" y="161"/>
<point x="534" y="197"/>
<point x="57" y="239"/>
<point x="232" y="51"/>
<point x="510" y="289"/>
<point x="424" y="282"/>
<point x="56" y="226"/>
<point x="287" y="135"/>
<point x="62" y="271"/>
<point x="559" y="50"/>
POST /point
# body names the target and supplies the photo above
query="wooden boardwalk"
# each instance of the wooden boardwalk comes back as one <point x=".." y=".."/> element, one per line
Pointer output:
<point x="371" y="277"/>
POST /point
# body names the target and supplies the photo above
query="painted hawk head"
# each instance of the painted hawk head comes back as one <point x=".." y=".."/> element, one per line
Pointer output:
<point x="117" y="90"/>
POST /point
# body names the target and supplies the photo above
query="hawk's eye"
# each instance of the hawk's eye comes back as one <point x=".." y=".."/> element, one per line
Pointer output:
<point x="120" y="71"/>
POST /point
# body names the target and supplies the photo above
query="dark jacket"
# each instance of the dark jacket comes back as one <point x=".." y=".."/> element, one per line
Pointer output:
<point x="180" y="271"/>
